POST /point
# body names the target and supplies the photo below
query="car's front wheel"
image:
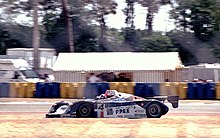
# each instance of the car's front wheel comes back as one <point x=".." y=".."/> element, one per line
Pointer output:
<point x="85" y="110"/>
<point x="154" y="110"/>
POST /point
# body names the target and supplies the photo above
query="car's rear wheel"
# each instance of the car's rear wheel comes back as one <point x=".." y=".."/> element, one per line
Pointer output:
<point x="85" y="110"/>
<point x="154" y="110"/>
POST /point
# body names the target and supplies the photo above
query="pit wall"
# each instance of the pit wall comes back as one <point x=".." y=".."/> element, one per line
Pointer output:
<point x="191" y="91"/>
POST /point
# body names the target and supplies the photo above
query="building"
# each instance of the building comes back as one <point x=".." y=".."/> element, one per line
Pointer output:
<point x="47" y="57"/>
<point x="137" y="67"/>
<point x="202" y="72"/>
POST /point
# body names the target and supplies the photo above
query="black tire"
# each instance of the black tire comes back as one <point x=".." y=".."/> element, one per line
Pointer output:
<point x="154" y="110"/>
<point x="85" y="110"/>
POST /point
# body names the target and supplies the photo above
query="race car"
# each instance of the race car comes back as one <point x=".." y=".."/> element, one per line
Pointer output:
<point x="114" y="104"/>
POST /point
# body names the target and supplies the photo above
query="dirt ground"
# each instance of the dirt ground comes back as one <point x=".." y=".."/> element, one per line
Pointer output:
<point x="34" y="125"/>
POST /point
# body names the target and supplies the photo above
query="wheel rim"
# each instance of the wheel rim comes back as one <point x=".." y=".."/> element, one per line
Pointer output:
<point x="154" y="110"/>
<point x="84" y="110"/>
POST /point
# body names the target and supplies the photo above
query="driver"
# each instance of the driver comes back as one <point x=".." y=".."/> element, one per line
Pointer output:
<point x="109" y="94"/>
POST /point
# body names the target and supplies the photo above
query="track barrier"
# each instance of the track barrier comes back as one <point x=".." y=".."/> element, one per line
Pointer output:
<point x="4" y="89"/>
<point x="139" y="89"/>
<point x="211" y="90"/>
<point x="40" y="90"/>
<point x="152" y="89"/>
<point x="168" y="88"/>
<point x="68" y="90"/>
<point x="185" y="90"/>
<point x="147" y="89"/>
<point x="192" y="91"/>
<point x="218" y="90"/>
<point x="22" y="90"/>
<point x="102" y="87"/>
<point x="181" y="90"/>
<point x="127" y="87"/>
<point x="48" y="90"/>
<point x="80" y="90"/>
<point x="90" y="90"/>
<point x="94" y="89"/>
<point x="201" y="91"/>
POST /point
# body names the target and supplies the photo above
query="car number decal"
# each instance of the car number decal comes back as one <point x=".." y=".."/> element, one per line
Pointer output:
<point x="101" y="106"/>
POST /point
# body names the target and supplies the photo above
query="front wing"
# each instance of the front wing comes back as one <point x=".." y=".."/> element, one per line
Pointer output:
<point x="49" y="115"/>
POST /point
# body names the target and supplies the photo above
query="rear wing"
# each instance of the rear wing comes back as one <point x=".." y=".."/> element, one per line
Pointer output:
<point x="174" y="100"/>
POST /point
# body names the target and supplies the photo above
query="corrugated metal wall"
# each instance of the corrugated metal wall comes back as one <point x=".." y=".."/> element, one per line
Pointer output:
<point x="178" y="75"/>
<point x="137" y="76"/>
<point x="148" y="76"/>
<point x="202" y="73"/>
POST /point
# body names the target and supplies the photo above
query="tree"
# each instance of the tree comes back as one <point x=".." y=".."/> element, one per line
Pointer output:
<point x="27" y="6"/>
<point x="11" y="9"/>
<point x="66" y="11"/>
<point x="7" y="41"/>
<point x="152" y="8"/>
<point x="129" y="13"/>
<point x="129" y="31"/>
<point x="156" y="43"/>
<point x="36" y="36"/>
<point x="100" y="9"/>
<point x="181" y="14"/>
<point x="200" y="16"/>
<point x="56" y="27"/>
<point x="51" y="7"/>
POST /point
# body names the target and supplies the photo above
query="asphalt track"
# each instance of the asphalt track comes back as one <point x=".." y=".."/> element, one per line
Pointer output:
<point x="191" y="107"/>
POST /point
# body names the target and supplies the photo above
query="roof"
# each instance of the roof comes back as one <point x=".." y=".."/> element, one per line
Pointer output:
<point x="30" y="49"/>
<point x="9" y="57"/>
<point x="18" y="63"/>
<point x="205" y="65"/>
<point x="117" y="61"/>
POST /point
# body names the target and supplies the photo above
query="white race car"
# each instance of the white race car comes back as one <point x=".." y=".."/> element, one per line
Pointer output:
<point x="114" y="104"/>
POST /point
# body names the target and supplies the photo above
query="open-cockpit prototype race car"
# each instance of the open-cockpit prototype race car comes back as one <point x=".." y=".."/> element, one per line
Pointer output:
<point x="113" y="104"/>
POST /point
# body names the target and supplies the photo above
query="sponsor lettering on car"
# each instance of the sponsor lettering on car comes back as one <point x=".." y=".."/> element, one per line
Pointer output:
<point x="122" y="111"/>
<point x="139" y="111"/>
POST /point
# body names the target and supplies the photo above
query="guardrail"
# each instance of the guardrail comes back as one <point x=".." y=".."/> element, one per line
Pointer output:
<point x="191" y="90"/>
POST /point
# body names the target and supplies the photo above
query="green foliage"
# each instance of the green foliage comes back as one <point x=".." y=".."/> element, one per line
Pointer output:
<point x="115" y="36"/>
<point x="186" y="56"/>
<point x="200" y="16"/>
<point x="156" y="43"/>
<point x="130" y="35"/>
<point x="99" y="10"/>
<point x="84" y="37"/>
<point x="50" y="22"/>
<point x="86" y="43"/>
<point x="217" y="52"/>
<point x="6" y="41"/>
<point x="129" y="13"/>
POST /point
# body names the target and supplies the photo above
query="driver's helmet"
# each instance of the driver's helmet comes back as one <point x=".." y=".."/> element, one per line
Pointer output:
<point x="110" y="93"/>
<point x="102" y="96"/>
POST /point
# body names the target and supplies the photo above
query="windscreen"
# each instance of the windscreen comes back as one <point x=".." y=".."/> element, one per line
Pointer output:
<point x="29" y="73"/>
